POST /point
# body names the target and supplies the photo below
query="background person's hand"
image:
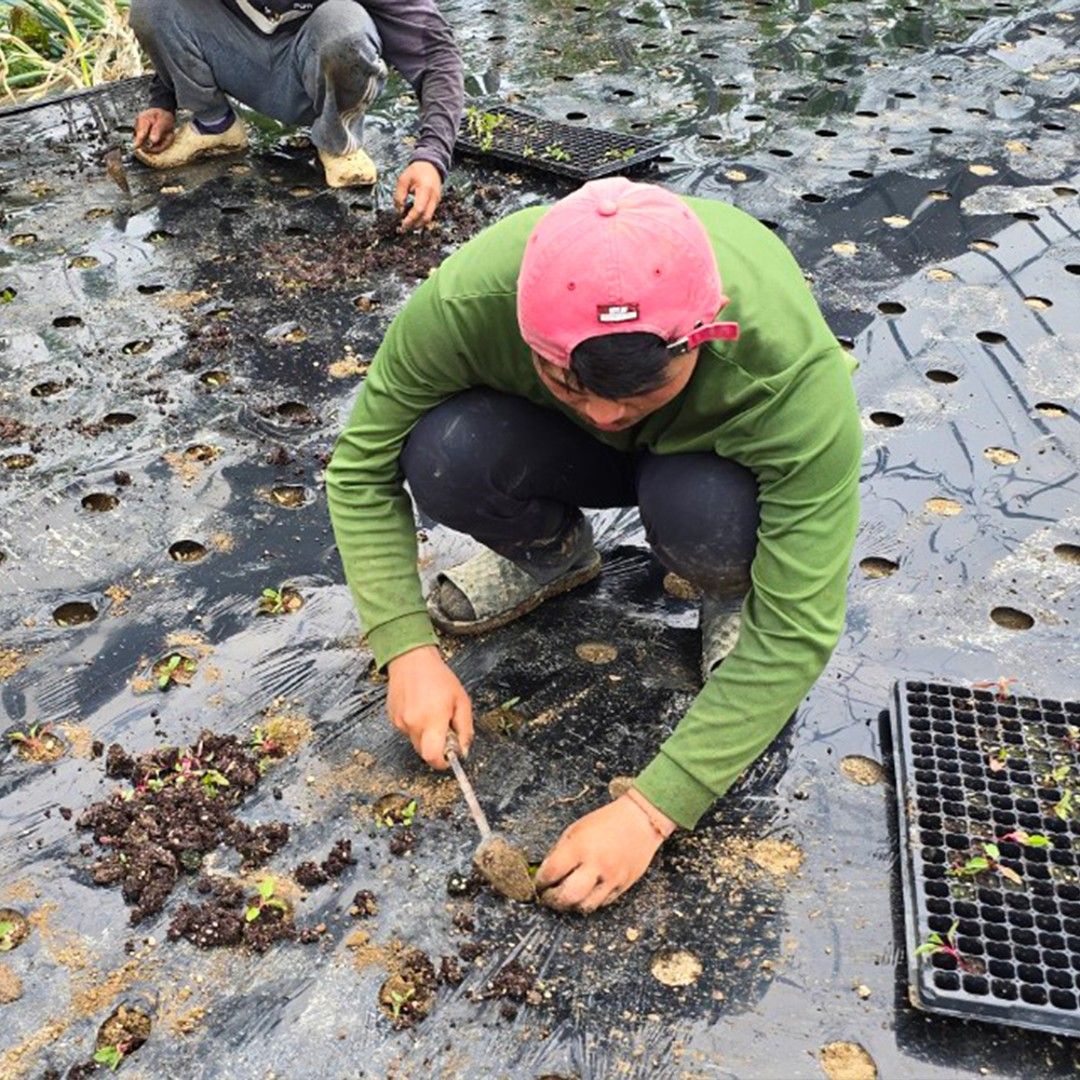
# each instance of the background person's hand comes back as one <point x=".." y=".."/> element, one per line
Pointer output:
<point x="425" y="699"/>
<point x="154" y="130"/>
<point x="421" y="180"/>
<point x="601" y="855"/>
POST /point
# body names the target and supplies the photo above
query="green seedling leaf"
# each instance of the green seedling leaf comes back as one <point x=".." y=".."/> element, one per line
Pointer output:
<point x="276" y="904"/>
<point x="993" y="851"/>
<point x="18" y="736"/>
<point x="252" y="913"/>
<point x="408" y="813"/>
<point x="109" y="1055"/>
<point x="7" y="935"/>
<point x="1037" y="840"/>
<point x="7" y="295"/>
<point x="1060" y="773"/>
<point x="266" y="888"/>
<point x="510" y="703"/>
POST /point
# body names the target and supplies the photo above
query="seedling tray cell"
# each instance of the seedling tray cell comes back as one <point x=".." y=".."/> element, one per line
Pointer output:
<point x="988" y="794"/>
<point x="579" y="153"/>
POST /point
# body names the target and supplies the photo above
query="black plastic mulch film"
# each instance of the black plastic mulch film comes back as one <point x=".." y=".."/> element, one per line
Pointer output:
<point x="580" y="153"/>
<point x="981" y="767"/>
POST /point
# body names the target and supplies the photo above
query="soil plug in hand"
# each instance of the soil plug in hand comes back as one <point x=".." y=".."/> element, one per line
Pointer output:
<point x="425" y="700"/>
<point x="601" y="855"/>
<point x="421" y="180"/>
<point x="114" y="166"/>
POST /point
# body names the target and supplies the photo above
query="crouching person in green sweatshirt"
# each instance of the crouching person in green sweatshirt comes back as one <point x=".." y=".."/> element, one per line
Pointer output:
<point x="574" y="356"/>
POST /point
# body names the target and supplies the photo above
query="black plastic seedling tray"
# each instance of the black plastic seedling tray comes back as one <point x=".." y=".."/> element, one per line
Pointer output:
<point x="979" y="767"/>
<point x="580" y="153"/>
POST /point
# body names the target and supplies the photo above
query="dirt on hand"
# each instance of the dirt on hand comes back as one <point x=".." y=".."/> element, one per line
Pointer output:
<point x="505" y="868"/>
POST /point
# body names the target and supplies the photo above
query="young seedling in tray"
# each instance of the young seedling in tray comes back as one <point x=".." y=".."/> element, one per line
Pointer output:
<point x="482" y="125"/>
<point x="935" y="945"/>
<point x="989" y="860"/>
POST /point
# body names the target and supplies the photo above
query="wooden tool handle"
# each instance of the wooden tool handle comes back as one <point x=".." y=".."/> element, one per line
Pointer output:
<point x="453" y="755"/>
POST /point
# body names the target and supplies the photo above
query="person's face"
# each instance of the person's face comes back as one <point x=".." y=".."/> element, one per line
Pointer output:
<point x="614" y="414"/>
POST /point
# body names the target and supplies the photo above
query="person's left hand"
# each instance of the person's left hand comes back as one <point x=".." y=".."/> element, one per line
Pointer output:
<point x="421" y="180"/>
<point x="602" y="854"/>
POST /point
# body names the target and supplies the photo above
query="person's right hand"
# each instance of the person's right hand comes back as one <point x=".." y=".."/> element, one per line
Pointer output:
<point x="425" y="699"/>
<point x="154" y="130"/>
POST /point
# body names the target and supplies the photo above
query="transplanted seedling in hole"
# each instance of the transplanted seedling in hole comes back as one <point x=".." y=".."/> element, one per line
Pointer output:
<point x="279" y="601"/>
<point x="398" y="999"/>
<point x="8" y="935"/>
<point x="399" y="816"/>
<point x="36" y="742"/>
<point x="989" y="860"/>
<point x="266" y="899"/>
<point x="110" y="1055"/>
<point x="1064" y="807"/>
<point x="175" y="666"/>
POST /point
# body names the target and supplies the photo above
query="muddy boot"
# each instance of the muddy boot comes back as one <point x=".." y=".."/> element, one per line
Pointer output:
<point x="489" y="591"/>
<point x="354" y="169"/>
<point x="720" y="624"/>
<point x="191" y="144"/>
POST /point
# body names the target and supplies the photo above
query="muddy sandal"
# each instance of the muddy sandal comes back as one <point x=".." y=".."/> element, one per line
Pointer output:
<point x="500" y="591"/>
<point x="721" y="621"/>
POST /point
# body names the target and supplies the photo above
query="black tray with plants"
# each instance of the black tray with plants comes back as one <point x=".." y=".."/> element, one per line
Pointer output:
<point x="988" y="794"/>
<point x="580" y="153"/>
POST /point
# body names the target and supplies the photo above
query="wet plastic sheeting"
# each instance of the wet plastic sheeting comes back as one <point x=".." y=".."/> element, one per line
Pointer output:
<point x="921" y="162"/>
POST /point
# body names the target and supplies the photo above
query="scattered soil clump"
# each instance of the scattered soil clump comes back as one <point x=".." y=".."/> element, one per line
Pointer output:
<point x="676" y="967"/>
<point x="10" y="985"/>
<point x="232" y="917"/>
<point x="364" y="905"/>
<point x="179" y="808"/>
<point x="311" y="875"/>
<point x="847" y="1061"/>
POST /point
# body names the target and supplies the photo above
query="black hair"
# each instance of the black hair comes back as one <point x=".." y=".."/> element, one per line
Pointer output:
<point x="620" y="365"/>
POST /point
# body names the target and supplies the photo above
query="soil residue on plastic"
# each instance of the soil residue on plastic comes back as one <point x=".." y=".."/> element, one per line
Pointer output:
<point x="10" y="985"/>
<point x="178" y="809"/>
<point x="847" y="1061"/>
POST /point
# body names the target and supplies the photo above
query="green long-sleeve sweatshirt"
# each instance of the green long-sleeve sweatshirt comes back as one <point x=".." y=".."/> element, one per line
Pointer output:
<point x="779" y="400"/>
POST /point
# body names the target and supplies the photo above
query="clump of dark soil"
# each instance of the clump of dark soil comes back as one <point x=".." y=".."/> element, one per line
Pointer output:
<point x="326" y="260"/>
<point x="180" y="806"/>
<point x="364" y="905"/>
<point x="450" y="971"/>
<point x="312" y="875"/>
<point x="407" y="996"/>
<point x="233" y="917"/>
<point x="12" y="431"/>
<point x="514" y="985"/>
<point x="402" y="842"/>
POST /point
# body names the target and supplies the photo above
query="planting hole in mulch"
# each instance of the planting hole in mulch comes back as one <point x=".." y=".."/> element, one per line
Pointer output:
<point x="83" y="262"/>
<point x="288" y="495"/>
<point x="23" y="239"/>
<point x="158" y="236"/>
<point x="939" y="375"/>
<point x="408" y="995"/>
<point x="118" y="419"/>
<point x="282" y="601"/>
<point x="296" y="412"/>
<point x="74" y="613"/>
<point x="174" y="669"/>
<point x="886" y="419"/>
<point x="1012" y="618"/>
<point x="214" y="380"/>
<point x="1038" y="303"/>
<point x="64" y="322"/>
<point x="1069" y="553"/>
<point x="45" y="389"/>
<point x="202" y="452"/>
<point x="1051" y="409"/>
<point x="137" y="347"/>
<point x="121" y="1035"/>
<point x="862" y="770"/>
<point x="149" y="290"/>
<point x="1000" y="455"/>
<point x="891" y="307"/>
<point x="596" y="652"/>
<point x="991" y="337"/>
<point x="675" y="967"/>
<point x="876" y="566"/>
<point x="19" y="461"/>
<point x="186" y="551"/>
<point x="943" y="507"/>
<point x="37" y="743"/>
<point x="100" y="501"/>
<point x="14" y="929"/>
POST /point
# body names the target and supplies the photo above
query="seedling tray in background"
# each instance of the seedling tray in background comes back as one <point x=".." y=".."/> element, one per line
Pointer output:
<point x="975" y="767"/>
<point x="580" y="153"/>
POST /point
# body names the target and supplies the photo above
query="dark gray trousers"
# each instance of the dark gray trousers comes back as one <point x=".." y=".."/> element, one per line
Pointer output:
<point x="325" y="74"/>
<point x="508" y="472"/>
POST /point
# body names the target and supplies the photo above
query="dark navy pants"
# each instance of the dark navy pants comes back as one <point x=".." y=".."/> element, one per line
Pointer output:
<point x="514" y="476"/>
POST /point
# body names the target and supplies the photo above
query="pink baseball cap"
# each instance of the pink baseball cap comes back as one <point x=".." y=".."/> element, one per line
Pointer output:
<point x="618" y="257"/>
